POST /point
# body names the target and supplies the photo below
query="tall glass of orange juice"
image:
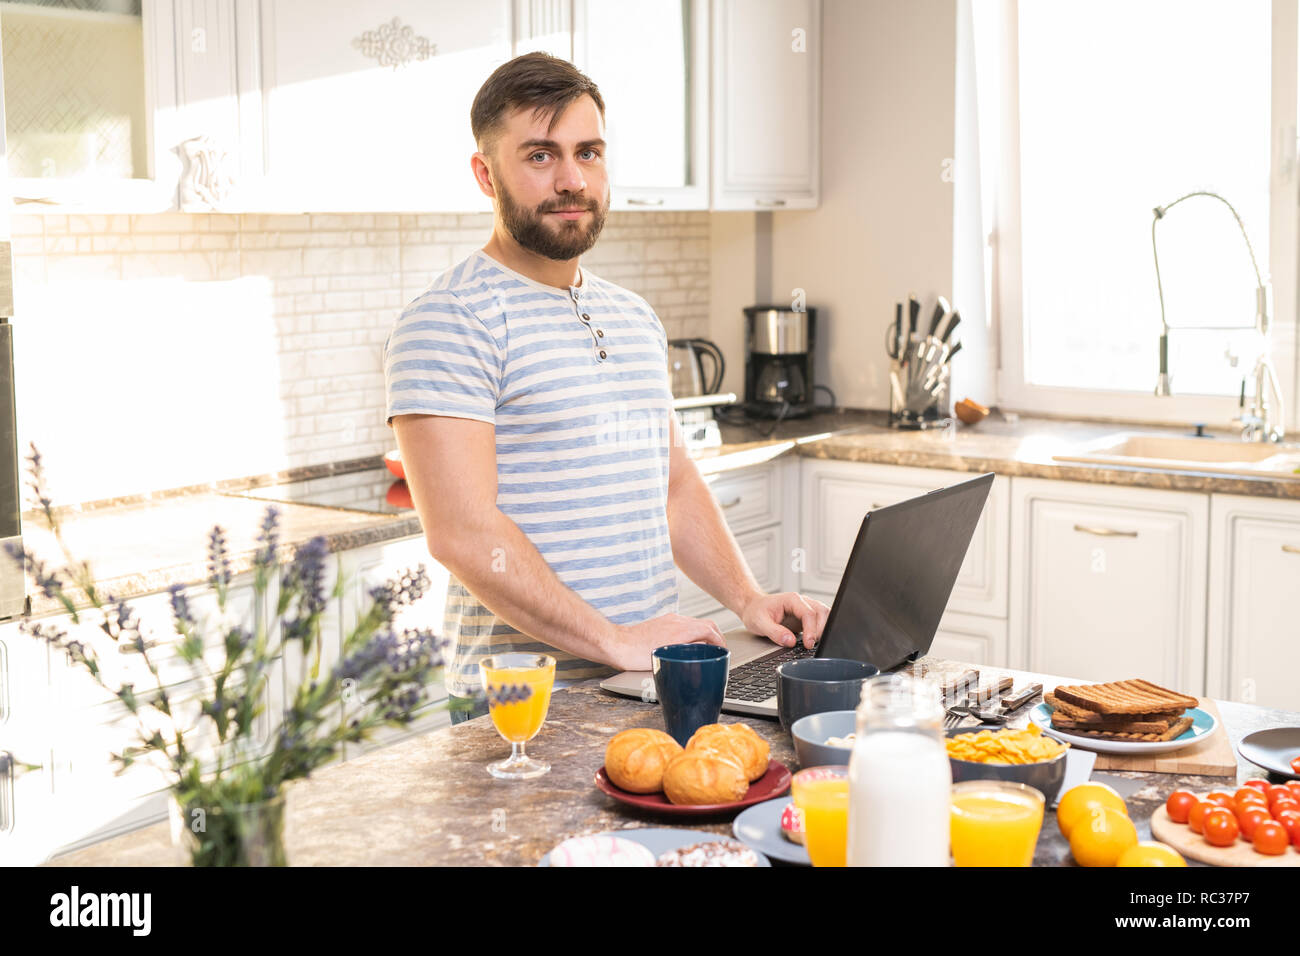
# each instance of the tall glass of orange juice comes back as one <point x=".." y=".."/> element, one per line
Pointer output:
<point x="821" y="794"/>
<point x="995" y="823"/>
<point x="516" y="720"/>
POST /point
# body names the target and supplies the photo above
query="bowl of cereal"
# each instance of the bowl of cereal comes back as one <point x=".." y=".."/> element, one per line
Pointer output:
<point x="825" y="739"/>
<point x="1020" y="756"/>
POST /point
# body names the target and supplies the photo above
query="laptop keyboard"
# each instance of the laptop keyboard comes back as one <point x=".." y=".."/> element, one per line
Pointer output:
<point x="755" y="682"/>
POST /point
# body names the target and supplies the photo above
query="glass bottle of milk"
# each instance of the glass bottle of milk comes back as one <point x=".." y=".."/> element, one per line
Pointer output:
<point x="899" y="776"/>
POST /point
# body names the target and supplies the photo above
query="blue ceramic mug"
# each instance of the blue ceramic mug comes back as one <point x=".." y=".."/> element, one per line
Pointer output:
<point x="690" y="681"/>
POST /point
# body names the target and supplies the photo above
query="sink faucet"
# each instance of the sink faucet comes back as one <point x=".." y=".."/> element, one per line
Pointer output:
<point x="1264" y="419"/>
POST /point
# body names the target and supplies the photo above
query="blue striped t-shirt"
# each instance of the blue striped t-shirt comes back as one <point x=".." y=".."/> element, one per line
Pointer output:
<point x="576" y="383"/>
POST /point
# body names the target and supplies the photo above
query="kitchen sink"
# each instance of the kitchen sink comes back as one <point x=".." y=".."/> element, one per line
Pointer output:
<point x="1256" y="459"/>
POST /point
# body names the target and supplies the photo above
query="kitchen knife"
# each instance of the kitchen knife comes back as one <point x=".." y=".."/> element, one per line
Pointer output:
<point x="954" y="320"/>
<point x="913" y="313"/>
<point x="941" y="308"/>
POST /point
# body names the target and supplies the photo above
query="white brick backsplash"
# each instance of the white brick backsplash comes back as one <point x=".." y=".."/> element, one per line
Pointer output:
<point x="316" y="298"/>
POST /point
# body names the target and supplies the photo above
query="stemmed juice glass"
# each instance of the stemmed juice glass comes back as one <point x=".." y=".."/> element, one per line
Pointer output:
<point x="518" y="721"/>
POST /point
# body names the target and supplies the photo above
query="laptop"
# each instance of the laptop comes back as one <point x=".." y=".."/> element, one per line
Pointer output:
<point x="894" y="590"/>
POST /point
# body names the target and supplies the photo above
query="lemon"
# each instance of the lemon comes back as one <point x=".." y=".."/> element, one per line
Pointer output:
<point x="1150" y="853"/>
<point x="1084" y="797"/>
<point x="1101" y="836"/>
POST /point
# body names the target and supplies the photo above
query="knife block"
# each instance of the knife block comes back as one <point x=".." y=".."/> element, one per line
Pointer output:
<point x="937" y="414"/>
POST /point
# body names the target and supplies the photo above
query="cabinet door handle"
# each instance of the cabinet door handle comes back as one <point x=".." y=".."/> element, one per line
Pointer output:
<point x="875" y="505"/>
<point x="1105" y="532"/>
<point x="636" y="201"/>
<point x="730" y="502"/>
<point x="1290" y="549"/>
<point x="769" y="202"/>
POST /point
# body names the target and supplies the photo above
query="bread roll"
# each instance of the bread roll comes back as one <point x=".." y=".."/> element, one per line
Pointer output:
<point x="741" y="740"/>
<point x="635" y="759"/>
<point x="703" y="775"/>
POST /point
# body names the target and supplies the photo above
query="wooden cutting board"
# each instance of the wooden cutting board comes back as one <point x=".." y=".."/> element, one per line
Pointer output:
<point x="1213" y="756"/>
<point x="1193" y="846"/>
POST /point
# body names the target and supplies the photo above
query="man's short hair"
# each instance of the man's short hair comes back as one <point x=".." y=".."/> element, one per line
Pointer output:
<point x="541" y="81"/>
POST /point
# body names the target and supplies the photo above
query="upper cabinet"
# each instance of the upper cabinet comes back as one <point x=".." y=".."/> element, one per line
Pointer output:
<point x="338" y="106"/>
<point x="81" y="90"/>
<point x="766" y="104"/>
<point x="365" y="107"/>
<point x="650" y="60"/>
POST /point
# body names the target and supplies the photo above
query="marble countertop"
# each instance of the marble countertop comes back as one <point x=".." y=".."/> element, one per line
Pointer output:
<point x="429" y="800"/>
<point x="147" y="543"/>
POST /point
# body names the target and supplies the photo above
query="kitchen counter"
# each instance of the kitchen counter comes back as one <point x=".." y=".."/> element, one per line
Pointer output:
<point x="429" y="800"/>
<point x="147" y="543"/>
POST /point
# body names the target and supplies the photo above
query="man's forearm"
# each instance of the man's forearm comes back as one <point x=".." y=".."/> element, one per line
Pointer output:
<point x="505" y="572"/>
<point x="704" y="547"/>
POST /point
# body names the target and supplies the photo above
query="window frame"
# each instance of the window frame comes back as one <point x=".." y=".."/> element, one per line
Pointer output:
<point x="1016" y="394"/>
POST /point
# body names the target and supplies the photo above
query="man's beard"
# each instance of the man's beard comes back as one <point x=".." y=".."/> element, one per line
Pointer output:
<point x="529" y="228"/>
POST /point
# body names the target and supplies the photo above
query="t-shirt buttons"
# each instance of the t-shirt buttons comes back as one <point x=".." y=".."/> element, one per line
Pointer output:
<point x="601" y="333"/>
<point x="602" y="353"/>
<point x="586" y="317"/>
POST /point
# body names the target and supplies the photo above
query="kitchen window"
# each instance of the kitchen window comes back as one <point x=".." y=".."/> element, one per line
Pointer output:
<point x="1092" y="113"/>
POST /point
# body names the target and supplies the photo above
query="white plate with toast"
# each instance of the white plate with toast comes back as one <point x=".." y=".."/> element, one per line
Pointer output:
<point x="1203" y="724"/>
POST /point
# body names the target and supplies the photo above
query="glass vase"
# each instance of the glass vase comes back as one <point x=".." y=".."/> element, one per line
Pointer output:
<point x="229" y="835"/>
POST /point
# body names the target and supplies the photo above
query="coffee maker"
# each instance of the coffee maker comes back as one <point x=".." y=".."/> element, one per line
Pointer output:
<point x="779" y="361"/>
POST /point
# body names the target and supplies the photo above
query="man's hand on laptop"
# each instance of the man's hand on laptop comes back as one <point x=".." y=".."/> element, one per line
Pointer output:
<point x="636" y="642"/>
<point x="781" y="616"/>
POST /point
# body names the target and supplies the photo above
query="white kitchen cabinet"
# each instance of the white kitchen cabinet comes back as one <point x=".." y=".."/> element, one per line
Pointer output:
<point x="365" y="108"/>
<point x="25" y="801"/>
<point x="759" y="505"/>
<point x="836" y="495"/>
<point x="95" y="111"/>
<point x="1253" y="639"/>
<point x="1108" y="582"/>
<point x="657" y="130"/>
<point x="766" y="135"/>
<point x="367" y="568"/>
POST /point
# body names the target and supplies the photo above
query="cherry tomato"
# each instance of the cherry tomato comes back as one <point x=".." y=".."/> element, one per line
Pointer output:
<point x="1271" y="838"/>
<point x="1260" y="785"/>
<point x="1284" y="813"/>
<point x="1248" y="818"/>
<point x="1294" y="785"/>
<point x="1295" y="765"/>
<point x="1283" y="803"/>
<point x="1179" y="803"/>
<point x="1196" y="815"/>
<point x="1249" y="795"/>
<point x="1221" y="798"/>
<point x="1221" y="827"/>
<point x="1275" y="791"/>
<point x="1291" y="824"/>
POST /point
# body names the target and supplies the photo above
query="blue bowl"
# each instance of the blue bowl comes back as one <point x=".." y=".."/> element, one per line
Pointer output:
<point x="815" y="685"/>
<point x="811" y="733"/>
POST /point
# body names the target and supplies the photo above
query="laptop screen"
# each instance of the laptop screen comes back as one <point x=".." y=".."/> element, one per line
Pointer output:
<point x="900" y="575"/>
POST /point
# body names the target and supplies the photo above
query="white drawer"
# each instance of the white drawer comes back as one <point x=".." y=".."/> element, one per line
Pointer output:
<point x="750" y="498"/>
<point x="762" y="552"/>
<point x="838" y="494"/>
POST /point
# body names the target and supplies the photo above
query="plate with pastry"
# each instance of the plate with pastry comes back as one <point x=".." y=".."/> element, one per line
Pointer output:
<point x="722" y="767"/>
<point x="774" y="828"/>
<point x="1123" y="717"/>
<point x="653" y="846"/>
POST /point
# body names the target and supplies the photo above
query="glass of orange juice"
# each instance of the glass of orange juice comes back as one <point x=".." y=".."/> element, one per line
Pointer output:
<point x="995" y="823"/>
<point x="518" y="721"/>
<point x="821" y="794"/>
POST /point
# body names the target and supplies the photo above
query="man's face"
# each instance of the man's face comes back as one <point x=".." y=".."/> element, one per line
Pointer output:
<point x="551" y="186"/>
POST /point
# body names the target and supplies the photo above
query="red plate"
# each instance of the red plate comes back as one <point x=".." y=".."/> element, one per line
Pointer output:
<point x="772" y="784"/>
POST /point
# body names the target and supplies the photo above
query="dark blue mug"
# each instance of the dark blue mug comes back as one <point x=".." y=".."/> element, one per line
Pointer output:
<point x="815" y="685"/>
<point x="690" y="681"/>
